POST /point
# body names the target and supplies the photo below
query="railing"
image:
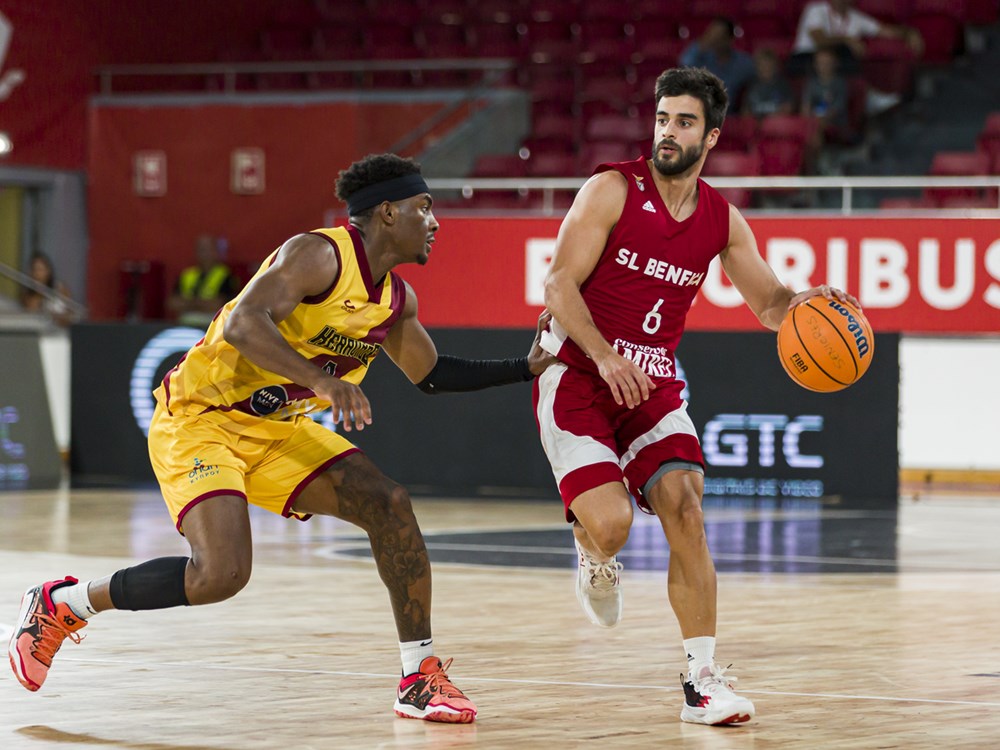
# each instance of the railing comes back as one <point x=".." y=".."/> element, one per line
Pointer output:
<point x="845" y="185"/>
<point x="75" y="308"/>
<point x="492" y="69"/>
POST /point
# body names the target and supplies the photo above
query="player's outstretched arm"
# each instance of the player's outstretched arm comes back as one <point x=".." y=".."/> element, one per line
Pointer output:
<point x="410" y="346"/>
<point x="769" y="299"/>
<point x="304" y="267"/>
<point x="581" y="240"/>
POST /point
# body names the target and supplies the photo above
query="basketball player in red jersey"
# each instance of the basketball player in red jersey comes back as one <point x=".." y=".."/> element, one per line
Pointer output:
<point x="231" y="427"/>
<point x="631" y="254"/>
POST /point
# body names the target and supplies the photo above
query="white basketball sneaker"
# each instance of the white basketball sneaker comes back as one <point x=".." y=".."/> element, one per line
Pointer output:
<point x="709" y="699"/>
<point x="599" y="589"/>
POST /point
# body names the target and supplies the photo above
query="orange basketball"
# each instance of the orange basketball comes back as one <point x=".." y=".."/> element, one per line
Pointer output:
<point x="825" y="345"/>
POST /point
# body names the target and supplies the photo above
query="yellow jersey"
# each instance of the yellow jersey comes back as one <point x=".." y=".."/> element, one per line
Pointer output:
<point x="340" y="331"/>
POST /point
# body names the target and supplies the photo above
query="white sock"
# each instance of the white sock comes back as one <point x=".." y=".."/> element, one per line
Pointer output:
<point x="700" y="653"/>
<point x="414" y="652"/>
<point x="77" y="597"/>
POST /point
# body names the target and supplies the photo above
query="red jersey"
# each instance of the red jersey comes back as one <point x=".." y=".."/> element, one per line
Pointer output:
<point x="651" y="268"/>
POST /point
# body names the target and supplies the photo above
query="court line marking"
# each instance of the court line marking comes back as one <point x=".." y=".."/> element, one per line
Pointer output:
<point x="553" y="683"/>
<point x="341" y="551"/>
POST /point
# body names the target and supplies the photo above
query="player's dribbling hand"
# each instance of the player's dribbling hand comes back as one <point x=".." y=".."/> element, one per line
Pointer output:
<point x="349" y="403"/>
<point x="829" y="292"/>
<point x="538" y="358"/>
<point x="629" y="384"/>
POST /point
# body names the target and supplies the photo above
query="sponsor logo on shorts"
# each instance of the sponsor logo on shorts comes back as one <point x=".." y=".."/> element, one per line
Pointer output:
<point x="268" y="400"/>
<point x="202" y="470"/>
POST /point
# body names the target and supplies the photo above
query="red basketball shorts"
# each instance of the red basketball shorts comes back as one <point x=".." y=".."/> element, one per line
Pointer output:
<point x="590" y="440"/>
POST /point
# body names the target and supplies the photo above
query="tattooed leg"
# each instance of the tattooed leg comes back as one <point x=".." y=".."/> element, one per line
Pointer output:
<point x="356" y="491"/>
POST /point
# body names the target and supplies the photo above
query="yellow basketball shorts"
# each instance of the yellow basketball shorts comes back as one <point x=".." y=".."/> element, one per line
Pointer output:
<point x="196" y="459"/>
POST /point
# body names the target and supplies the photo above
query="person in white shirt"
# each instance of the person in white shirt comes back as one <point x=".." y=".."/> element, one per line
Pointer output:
<point x="835" y="24"/>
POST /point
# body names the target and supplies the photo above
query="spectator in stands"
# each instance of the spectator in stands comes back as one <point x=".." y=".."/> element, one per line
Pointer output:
<point x="835" y="24"/>
<point x="825" y="98"/>
<point x="714" y="51"/>
<point x="769" y="92"/>
<point x="35" y="301"/>
<point x="204" y="287"/>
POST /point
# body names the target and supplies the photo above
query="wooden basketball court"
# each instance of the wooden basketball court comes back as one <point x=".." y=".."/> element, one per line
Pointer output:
<point x="848" y="629"/>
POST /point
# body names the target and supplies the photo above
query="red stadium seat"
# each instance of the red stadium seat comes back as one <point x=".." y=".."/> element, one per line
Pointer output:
<point x="600" y="152"/>
<point x="897" y="203"/>
<point x="552" y="165"/>
<point x="287" y="43"/>
<point x="499" y="165"/>
<point x="992" y="124"/>
<point x="780" y="156"/>
<point x="787" y="127"/>
<point x="554" y="126"/>
<point x="738" y="132"/>
<point x="957" y="164"/>
<point x="493" y="39"/>
<point x="621" y="128"/>
<point x="887" y="11"/>
<point x="942" y="36"/>
<point x="733" y="164"/>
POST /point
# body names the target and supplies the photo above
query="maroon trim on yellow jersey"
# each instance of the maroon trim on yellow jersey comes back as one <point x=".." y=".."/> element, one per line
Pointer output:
<point x="374" y="291"/>
<point x="315" y="299"/>
<point x="202" y="498"/>
<point x="287" y="510"/>
<point x="166" y="378"/>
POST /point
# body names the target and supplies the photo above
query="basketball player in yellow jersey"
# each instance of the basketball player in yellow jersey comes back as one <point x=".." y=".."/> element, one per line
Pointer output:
<point x="231" y="427"/>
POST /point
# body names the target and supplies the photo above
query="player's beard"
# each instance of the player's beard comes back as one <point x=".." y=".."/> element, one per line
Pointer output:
<point x="682" y="162"/>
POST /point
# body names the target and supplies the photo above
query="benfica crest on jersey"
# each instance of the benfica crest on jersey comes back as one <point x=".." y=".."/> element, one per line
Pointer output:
<point x="639" y="183"/>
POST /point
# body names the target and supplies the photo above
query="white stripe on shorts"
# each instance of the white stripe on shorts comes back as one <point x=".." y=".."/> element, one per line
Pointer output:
<point x="566" y="452"/>
<point x="676" y="422"/>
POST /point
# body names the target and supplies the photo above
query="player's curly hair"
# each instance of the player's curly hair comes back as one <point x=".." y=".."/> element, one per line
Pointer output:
<point x="702" y="85"/>
<point x="370" y="170"/>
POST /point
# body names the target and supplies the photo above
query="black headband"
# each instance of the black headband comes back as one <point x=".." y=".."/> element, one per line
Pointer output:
<point x="395" y="189"/>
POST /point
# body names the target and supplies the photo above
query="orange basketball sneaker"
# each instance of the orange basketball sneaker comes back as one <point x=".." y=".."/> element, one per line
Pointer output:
<point x="41" y="629"/>
<point x="430" y="695"/>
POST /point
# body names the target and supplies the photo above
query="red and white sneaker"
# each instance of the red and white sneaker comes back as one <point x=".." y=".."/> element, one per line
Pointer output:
<point x="709" y="699"/>
<point x="41" y="629"/>
<point x="430" y="695"/>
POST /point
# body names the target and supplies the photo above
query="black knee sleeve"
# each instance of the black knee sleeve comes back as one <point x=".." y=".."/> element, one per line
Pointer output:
<point x="157" y="584"/>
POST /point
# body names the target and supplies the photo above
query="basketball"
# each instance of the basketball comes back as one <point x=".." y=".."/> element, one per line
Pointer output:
<point x="825" y="345"/>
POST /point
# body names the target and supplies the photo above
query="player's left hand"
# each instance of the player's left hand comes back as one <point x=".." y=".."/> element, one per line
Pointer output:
<point x="538" y="358"/>
<point x="829" y="292"/>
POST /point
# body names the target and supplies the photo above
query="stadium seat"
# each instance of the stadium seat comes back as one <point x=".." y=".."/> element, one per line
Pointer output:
<point x="499" y="165"/>
<point x="447" y="12"/>
<point x="621" y="128"/>
<point x="957" y="164"/>
<point x="942" y="35"/>
<point x="905" y="203"/>
<point x="738" y="132"/>
<point x="733" y="164"/>
<point x="550" y="164"/>
<point x="780" y="156"/>
<point x="786" y="127"/>
<point x="887" y="11"/>
<point x="492" y="39"/>
<point x="600" y="152"/>
<point x="554" y="126"/>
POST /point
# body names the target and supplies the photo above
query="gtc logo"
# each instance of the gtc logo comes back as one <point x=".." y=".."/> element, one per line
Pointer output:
<point x="726" y="441"/>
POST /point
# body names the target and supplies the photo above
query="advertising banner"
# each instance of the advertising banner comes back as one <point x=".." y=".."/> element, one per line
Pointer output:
<point x="762" y="435"/>
<point x="29" y="458"/>
<point x="911" y="275"/>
